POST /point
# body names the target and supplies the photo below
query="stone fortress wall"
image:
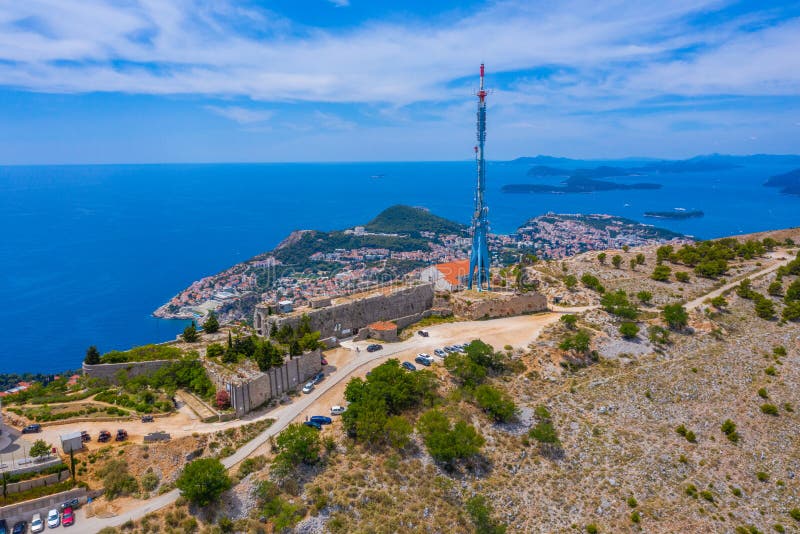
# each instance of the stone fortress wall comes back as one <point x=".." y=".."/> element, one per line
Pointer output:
<point x="341" y="320"/>
<point x="247" y="395"/>
<point x="109" y="371"/>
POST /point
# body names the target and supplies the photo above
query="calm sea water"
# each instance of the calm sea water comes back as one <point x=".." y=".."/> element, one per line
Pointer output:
<point x="88" y="252"/>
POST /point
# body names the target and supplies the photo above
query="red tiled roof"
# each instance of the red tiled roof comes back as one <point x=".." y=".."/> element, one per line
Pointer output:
<point x="454" y="271"/>
<point x="383" y="325"/>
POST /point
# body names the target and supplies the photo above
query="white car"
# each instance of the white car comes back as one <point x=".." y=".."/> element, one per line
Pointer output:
<point x="424" y="355"/>
<point x="53" y="518"/>
<point x="36" y="523"/>
<point x="337" y="410"/>
<point x="308" y="388"/>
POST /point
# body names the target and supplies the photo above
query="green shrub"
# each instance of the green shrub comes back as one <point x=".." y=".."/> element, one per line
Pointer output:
<point x="762" y="476"/>
<point x="592" y="282"/>
<point x="661" y="273"/>
<point x="591" y="528"/>
<point x="480" y="512"/>
<point x="632" y="502"/>
<point x="762" y="392"/>
<point x="794" y="513"/>
<point x="769" y="409"/>
<point x="737" y="492"/>
<point x="149" y="481"/>
<point x="496" y="403"/>
<point x="628" y="330"/>
<point x="682" y="276"/>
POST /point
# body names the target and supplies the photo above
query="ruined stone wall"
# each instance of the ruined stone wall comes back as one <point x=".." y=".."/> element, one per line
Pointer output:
<point x="491" y="305"/>
<point x="250" y="394"/>
<point x="108" y="371"/>
<point x="333" y="320"/>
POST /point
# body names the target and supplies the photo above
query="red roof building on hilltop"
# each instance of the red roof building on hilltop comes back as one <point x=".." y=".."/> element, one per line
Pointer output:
<point x="447" y="276"/>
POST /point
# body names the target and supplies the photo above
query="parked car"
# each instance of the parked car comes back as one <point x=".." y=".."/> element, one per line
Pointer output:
<point x="423" y="333"/>
<point x="53" y="518"/>
<point x="424" y="360"/>
<point x="409" y="366"/>
<point x="337" y="410"/>
<point x="308" y="388"/>
<point x="440" y="353"/>
<point x="323" y="361"/>
<point x="32" y="429"/>
<point x="68" y="517"/>
<point x="319" y="377"/>
<point x="104" y="436"/>
<point x="3" y="526"/>
<point x="122" y="435"/>
<point x="147" y="419"/>
<point x="72" y="503"/>
<point x="85" y="436"/>
<point x="321" y="419"/>
<point x="20" y="527"/>
<point x="313" y="424"/>
<point x="37" y="525"/>
<point x="374" y="347"/>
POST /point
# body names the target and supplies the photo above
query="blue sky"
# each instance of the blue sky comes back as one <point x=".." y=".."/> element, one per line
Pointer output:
<point x="129" y="81"/>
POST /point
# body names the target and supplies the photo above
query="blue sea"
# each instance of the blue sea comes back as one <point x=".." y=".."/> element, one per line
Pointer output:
<point x="88" y="252"/>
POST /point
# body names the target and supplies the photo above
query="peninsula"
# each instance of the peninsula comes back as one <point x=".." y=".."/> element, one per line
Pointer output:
<point x="399" y="242"/>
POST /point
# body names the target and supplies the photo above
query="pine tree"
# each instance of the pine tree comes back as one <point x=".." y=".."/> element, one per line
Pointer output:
<point x="212" y="323"/>
<point x="92" y="356"/>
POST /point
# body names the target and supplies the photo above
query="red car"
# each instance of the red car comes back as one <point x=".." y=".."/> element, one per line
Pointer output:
<point x="67" y="517"/>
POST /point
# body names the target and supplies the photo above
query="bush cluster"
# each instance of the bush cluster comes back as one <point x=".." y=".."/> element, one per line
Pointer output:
<point x="389" y="390"/>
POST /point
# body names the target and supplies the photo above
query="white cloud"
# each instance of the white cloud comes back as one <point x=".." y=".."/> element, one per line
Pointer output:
<point x="607" y="54"/>
<point x="340" y="3"/>
<point x="240" y="114"/>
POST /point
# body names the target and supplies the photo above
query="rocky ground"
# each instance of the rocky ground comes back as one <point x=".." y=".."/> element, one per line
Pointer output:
<point x="640" y="425"/>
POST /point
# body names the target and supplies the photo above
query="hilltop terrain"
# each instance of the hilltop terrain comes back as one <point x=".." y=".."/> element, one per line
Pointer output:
<point x="660" y="397"/>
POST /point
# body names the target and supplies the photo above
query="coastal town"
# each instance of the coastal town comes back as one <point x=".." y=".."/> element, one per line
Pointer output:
<point x="345" y="270"/>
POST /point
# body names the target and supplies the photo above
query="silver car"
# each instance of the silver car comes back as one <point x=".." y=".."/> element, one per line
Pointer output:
<point x="37" y="525"/>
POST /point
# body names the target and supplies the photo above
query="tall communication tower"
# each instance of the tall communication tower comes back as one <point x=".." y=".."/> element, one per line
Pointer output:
<point x="479" y="257"/>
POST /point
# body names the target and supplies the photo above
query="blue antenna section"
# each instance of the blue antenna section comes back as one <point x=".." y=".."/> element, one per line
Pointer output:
<point x="479" y="257"/>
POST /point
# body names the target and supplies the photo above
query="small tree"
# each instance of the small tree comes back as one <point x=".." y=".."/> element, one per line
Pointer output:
<point x="578" y="343"/>
<point x="398" y="431"/>
<point x="628" y="330"/>
<point x="640" y="259"/>
<point x="92" y="356"/>
<point x="682" y="276"/>
<point x="297" y="444"/>
<point x="719" y="302"/>
<point x="661" y="273"/>
<point x="190" y="333"/>
<point x="676" y="316"/>
<point x="223" y="400"/>
<point x="570" y="281"/>
<point x="765" y="308"/>
<point x="39" y="448"/>
<point x="212" y="323"/>
<point x="569" y="320"/>
<point x="644" y="297"/>
<point x="632" y="263"/>
<point x="616" y="261"/>
<point x="602" y="258"/>
<point x="203" y="481"/>
<point x="480" y="512"/>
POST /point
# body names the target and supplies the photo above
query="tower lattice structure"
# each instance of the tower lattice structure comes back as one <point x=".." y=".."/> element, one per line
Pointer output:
<point x="479" y="256"/>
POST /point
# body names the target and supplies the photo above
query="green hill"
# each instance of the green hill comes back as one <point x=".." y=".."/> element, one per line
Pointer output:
<point x="406" y="219"/>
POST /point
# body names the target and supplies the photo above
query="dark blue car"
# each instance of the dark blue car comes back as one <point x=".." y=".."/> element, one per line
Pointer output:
<point x="313" y="424"/>
<point x="321" y="419"/>
<point x="409" y="366"/>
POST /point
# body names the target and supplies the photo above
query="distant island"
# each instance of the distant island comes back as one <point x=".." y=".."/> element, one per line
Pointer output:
<point x="576" y="184"/>
<point x="675" y="214"/>
<point x="788" y="182"/>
